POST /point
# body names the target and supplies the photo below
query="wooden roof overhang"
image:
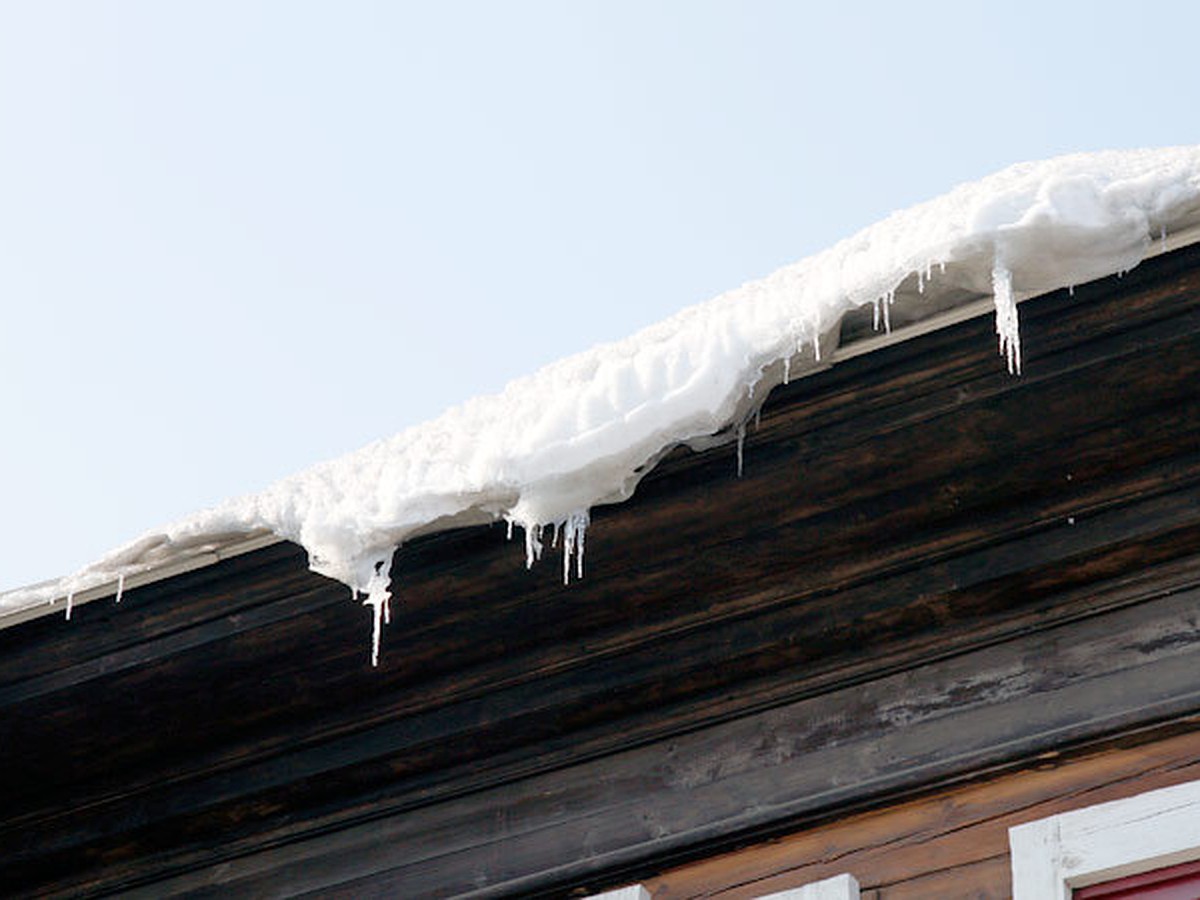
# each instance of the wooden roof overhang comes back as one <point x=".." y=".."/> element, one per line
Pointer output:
<point x="929" y="569"/>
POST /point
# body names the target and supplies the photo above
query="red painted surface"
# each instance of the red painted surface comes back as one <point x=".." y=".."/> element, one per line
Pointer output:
<point x="1180" y="882"/>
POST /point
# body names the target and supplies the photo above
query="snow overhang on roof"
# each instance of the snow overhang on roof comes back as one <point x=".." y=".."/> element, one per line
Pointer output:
<point x="583" y="431"/>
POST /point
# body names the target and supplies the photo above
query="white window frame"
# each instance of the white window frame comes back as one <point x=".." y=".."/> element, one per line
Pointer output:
<point x="840" y="887"/>
<point x="1052" y="856"/>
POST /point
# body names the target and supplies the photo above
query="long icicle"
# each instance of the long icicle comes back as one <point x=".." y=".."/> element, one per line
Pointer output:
<point x="378" y="591"/>
<point x="741" y="444"/>
<point x="1007" y="327"/>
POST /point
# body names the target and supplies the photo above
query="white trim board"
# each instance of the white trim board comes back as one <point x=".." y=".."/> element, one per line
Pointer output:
<point x="1099" y="843"/>
<point x="185" y="559"/>
<point x="840" y="887"/>
<point x="632" y="892"/>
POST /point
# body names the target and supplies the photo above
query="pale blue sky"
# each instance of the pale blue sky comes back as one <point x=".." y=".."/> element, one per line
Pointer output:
<point x="237" y="238"/>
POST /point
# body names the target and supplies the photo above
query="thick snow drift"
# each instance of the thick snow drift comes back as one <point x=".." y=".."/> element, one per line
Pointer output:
<point x="582" y="431"/>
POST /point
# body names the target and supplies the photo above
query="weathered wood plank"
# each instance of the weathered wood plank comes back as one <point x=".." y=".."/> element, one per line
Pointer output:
<point x="490" y="677"/>
<point x="1011" y="700"/>
<point x="41" y="647"/>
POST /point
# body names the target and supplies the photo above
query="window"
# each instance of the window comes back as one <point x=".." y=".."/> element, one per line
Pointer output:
<point x="1053" y="857"/>
<point x="1172" y="883"/>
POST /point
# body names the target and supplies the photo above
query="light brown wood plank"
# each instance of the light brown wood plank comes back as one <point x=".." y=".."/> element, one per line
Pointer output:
<point x="899" y="848"/>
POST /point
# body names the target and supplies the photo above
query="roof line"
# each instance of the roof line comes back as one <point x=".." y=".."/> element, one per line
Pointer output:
<point x="983" y="305"/>
<point x="213" y="553"/>
<point x="216" y="551"/>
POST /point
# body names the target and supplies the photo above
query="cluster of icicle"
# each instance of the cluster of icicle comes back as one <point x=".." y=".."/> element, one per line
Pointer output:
<point x="583" y="431"/>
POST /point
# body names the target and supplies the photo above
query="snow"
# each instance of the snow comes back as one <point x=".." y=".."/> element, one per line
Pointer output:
<point x="583" y="431"/>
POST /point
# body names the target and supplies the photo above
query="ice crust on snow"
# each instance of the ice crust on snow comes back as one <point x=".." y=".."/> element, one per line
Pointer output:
<point x="583" y="431"/>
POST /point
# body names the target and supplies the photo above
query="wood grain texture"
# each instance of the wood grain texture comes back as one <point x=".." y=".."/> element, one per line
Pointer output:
<point x="950" y="843"/>
<point x="929" y="569"/>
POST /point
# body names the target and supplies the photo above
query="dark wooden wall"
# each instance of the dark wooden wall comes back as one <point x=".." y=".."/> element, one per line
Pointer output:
<point x="930" y="569"/>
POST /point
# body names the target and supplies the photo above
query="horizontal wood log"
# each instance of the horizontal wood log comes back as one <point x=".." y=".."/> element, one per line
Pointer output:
<point x="967" y="713"/>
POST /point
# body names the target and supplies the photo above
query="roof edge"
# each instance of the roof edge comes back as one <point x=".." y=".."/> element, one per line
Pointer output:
<point x="189" y="559"/>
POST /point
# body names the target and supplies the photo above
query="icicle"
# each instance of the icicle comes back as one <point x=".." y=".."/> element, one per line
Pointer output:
<point x="120" y="586"/>
<point x="70" y="604"/>
<point x="533" y="545"/>
<point x="757" y="418"/>
<point x="875" y="315"/>
<point x="787" y="369"/>
<point x="816" y="347"/>
<point x="510" y="529"/>
<point x="1006" y="316"/>
<point x="887" y="311"/>
<point x="566" y="556"/>
<point x="378" y="598"/>
<point x="574" y="529"/>
<point x="376" y="630"/>
<point x="920" y="282"/>
<point x="1070" y="290"/>
<point x="942" y="266"/>
<point x="1162" y="236"/>
<point x="741" y="443"/>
